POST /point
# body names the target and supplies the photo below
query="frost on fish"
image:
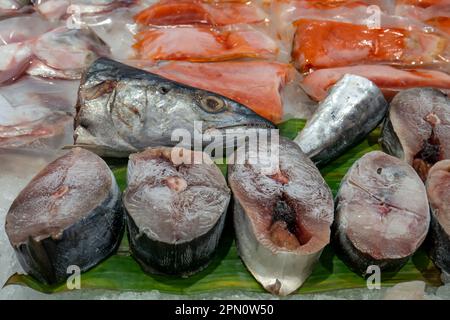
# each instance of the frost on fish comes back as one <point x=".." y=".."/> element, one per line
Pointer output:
<point x="389" y="79"/>
<point x="382" y="214"/>
<point x="353" y="108"/>
<point x="69" y="214"/>
<point x="201" y="44"/>
<point x="438" y="189"/>
<point x="417" y="129"/>
<point x="197" y="12"/>
<point x="176" y="203"/>
<point x="123" y="110"/>
<point x="282" y="218"/>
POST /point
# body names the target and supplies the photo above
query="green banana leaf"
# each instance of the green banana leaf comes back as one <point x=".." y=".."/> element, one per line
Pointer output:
<point x="226" y="271"/>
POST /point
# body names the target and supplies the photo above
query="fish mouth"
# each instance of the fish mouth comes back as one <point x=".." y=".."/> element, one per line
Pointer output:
<point x="251" y="125"/>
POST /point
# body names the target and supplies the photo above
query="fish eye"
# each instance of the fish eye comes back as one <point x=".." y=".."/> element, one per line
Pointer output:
<point x="212" y="104"/>
<point x="163" y="89"/>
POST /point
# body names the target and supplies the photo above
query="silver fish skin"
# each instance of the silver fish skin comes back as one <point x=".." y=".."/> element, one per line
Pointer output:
<point x="381" y="214"/>
<point x="70" y="213"/>
<point x="175" y="209"/>
<point x="438" y="241"/>
<point x="122" y="110"/>
<point x="353" y="108"/>
<point x="417" y="128"/>
<point x="282" y="220"/>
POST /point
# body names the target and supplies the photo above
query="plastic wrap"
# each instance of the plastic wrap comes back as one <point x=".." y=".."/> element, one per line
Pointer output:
<point x="206" y="44"/>
<point x="14" y="7"/>
<point x="390" y="79"/>
<point x="434" y="13"/>
<point x="59" y="53"/>
<point x="188" y="12"/>
<point x="61" y="9"/>
<point x="37" y="114"/>
<point x="324" y="44"/>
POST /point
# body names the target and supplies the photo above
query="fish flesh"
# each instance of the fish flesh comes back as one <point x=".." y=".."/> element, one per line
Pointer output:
<point x="440" y="23"/>
<point x="53" y="94"/>
<point x="434" y="13"/>
<point x="33" y="127"/>
<point x="60" y="53"/>
<point x="192" y="12"/>
<point x="255" y="84"/>
<point x="37" y="114"/>
<point x="123" y="110"/>
<point x="325" y="44"/>
<point x="176" y="203"/>
<point x="22" y="28"/>
<point x="438" y="190"/>
<point x="282" y="218"/>
<point x="354" y="107"/>
<point x="283" y="13"/>
<point x="200" y="44"/>
<point x="70" y="214"/>
<point x="64" y="53"/>
<point x="389" y="79"/>
<point x="60" y="9"/>
<point x="417" y="129"/>
<point x="382" y="213"/>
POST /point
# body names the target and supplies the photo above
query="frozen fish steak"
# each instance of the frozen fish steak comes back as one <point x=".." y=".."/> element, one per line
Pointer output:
<point x="176" y="203"/>
<point x="417" y="129"/>
<point x="282" y="218"/>
<point x="382" y="213"/>
<point x="70" y="214"/>
<point x="438" y="189"/>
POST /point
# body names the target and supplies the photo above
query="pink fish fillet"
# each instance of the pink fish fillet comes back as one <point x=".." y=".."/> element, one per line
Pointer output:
<point x="389" y="79"/>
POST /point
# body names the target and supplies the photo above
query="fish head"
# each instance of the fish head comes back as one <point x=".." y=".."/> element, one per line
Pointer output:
<point x="128" y="109"/>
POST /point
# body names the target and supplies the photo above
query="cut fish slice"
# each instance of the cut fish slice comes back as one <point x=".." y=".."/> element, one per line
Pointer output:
<point x="70" y="214"/>
<point x="59" y="9"/>
<point x="192" y="12"/>
<point x="19" y="29"/>
<point x="438" y="189"/>
<point x="60" y="53"/>
<point x="64" y="53"/>
<point x="417" y="129"/>
<point x="325" y="44"/>
<point x="176" y="201"/>
<point x="204" y="44"/>
<point x="382" y="214"/>
<point x="35" y="114"/>
<point x="282" y="219"/>
<point x="389" y="79"/>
